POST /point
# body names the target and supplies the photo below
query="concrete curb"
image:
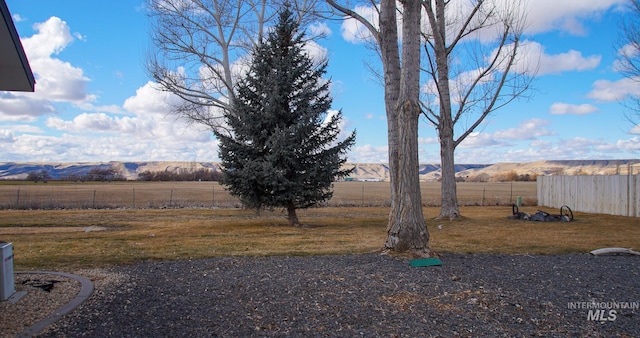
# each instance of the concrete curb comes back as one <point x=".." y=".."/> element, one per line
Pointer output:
<point x="86" y="289"/>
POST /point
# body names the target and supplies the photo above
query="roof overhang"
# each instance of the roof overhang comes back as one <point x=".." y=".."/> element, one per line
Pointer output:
<point x="15" y="72"/>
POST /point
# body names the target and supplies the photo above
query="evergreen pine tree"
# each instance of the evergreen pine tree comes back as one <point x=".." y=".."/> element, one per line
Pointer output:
<point x="282" y="147"/>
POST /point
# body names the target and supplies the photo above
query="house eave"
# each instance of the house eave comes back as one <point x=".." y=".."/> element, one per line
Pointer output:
<point x="15" y="72"/>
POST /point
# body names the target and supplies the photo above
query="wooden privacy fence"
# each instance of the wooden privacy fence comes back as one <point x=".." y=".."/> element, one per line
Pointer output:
<point x="610" y="194"/>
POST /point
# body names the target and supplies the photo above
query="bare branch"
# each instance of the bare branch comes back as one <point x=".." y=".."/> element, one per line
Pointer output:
<point x="628" y="51"/>
<point x="201" y="48"/>
<point x="353" y="14"/>
<point x="487" y="72"/>
<point x="465" y="31"/>
<point x="494" y="98"/>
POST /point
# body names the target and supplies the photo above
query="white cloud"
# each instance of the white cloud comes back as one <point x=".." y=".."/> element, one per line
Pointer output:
<point x="543" y="144"/>
<point x="559" y="108"/>
<point x="527" y="130"/>
<point x="319" y="29"/>
<point x="7" y="136"/>
<point x="330" y="114"/>
<point x="572" y="60"/>
<point x="369" y="154"/>
<point x="564" y="149"/>
<point x="149" y="99"/>
<point x="56" y="80"/>
<point x="18" y="18"/>
<point x="632" y="144"/>
<point x="476" y="156"/>
<point x="627" y="51"/>
<point x="611" y="91"/>
<point x="112" y="109"/>
<point x="343" y="124"/>
<point x="22" y="107"/>
<point x="428" y="140"/>
<point x="480" y="140"/>
<point x="353" y="31"/>
<point x="52" y="37"/>
<point x="566" y="15"/>
<point x="93" y="147"/>
<point x="487" y="148"/>
<point x="151" y="133"/>
<point x="316" y="52"/>
<point x="635" y="129"/>
<point x="33" y="147"/>
<point x="84" y="122"/>
<point x="152" y="121"/>
<point x="582" y="147"/>
<point x="23" y="128"/>
<point x="80" y="36"/>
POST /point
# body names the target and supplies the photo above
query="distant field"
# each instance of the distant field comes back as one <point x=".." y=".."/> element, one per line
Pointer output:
<point x="138" y="195"/>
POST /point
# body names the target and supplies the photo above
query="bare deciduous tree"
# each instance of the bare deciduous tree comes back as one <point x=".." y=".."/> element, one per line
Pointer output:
<point x="473" y="93"/>
<point x="472" y="61"/>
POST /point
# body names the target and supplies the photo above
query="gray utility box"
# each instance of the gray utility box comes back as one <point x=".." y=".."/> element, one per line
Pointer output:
<point x="7" y="284"/>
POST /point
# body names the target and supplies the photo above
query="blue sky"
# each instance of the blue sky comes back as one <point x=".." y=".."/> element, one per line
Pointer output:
<point x="94" y="101"/>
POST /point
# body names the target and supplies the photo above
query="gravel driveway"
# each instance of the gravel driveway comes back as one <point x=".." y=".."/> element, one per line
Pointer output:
<point x="367" y="295"/>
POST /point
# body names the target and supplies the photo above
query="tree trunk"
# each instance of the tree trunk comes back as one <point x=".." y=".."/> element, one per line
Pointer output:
<point x="449" y="199"/>
<point x="407" y="229"/>
<point x="292" y="216"/>
<point x="388" y="41"/>
<point x="449" y="196"/>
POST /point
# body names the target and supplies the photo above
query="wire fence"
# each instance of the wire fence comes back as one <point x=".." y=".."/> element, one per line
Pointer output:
<point x="140" y="195"/>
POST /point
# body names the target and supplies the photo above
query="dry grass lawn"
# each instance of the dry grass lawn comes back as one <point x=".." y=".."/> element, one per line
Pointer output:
<point x="66" y="240"/>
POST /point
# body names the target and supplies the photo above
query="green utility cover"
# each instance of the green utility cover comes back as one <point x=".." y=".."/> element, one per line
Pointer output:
<point x="425" y="262"/>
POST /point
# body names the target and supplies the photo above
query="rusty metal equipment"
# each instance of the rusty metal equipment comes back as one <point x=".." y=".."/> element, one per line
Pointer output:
<point x="566" y="215"/>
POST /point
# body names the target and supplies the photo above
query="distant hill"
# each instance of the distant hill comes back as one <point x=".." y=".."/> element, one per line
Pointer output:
<point x="558" y="167"/>
<point x="362" y="171"/>
<point x="129" y="170"/>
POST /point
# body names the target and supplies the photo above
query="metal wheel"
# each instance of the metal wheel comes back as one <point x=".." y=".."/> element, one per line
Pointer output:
<point x="566" y="211"/>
